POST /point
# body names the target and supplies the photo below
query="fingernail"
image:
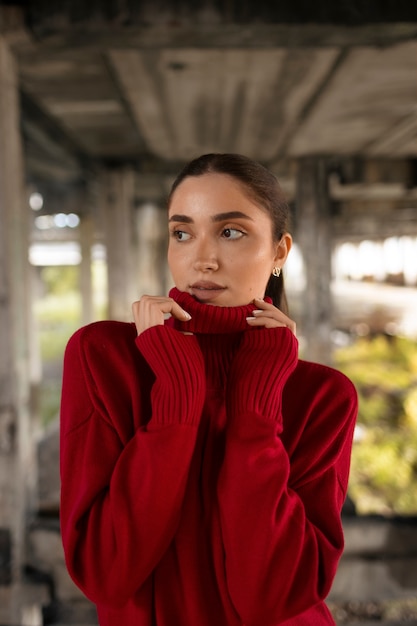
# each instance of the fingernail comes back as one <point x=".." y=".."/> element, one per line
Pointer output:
<point x="256" y="311"/>
<point x="187" y="315"/>
<point x="250" y="319"/>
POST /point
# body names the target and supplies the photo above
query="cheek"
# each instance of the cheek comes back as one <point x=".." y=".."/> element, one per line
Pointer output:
<point x="174" y="260"/>
<point x="175" y="252"/>
<point x="253" y="265"/>
<point x="261" y="267"/>
<point x="264" y="259"/>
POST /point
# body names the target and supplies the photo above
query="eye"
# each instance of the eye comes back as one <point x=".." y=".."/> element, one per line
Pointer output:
<point x="232" y="233"/>
<point x="180" y="235"/>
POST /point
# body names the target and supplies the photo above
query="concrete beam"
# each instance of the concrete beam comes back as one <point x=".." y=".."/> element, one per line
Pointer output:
<point x="52" y="138"/>
<point x="374" y="225"/>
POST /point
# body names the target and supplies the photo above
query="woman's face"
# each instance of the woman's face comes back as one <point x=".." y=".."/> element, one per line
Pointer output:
<point x="221" y="249"/>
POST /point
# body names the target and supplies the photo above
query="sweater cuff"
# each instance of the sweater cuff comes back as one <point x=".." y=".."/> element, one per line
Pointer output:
<point x="179" y="390"/>
<point x="265" y="360"/>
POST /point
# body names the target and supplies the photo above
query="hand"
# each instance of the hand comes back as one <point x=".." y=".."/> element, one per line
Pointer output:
<point x="151" y="310"/>
<point x="268" y="316"/>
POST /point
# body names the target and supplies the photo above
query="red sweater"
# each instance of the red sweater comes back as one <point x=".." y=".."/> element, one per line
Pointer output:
<point x="202" y="475"/>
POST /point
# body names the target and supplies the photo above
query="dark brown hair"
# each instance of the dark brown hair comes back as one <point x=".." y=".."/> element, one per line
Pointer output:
<point x="261" y="186"/>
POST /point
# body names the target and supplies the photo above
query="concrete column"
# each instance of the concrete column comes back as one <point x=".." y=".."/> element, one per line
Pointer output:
<point x="151" y="254"/>
<point x="119" y="234"/>
<point x="16" y="449"/>
<point x="86" y="280"/>
<point x="314" y="235"/>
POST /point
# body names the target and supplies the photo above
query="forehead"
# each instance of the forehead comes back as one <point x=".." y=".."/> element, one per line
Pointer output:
<point x="213" y="189"/>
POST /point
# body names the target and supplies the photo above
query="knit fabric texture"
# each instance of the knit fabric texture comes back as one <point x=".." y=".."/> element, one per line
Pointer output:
<point x="203" y="474"/>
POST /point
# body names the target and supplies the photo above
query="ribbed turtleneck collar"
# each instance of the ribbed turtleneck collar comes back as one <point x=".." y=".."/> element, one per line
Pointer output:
<point x="207" y="318"/>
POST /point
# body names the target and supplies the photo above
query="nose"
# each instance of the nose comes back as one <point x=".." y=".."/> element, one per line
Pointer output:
<point x="206" y="257"/>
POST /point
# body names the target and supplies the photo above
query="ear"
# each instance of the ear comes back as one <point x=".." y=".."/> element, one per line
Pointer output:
<point x="283" y="248"/>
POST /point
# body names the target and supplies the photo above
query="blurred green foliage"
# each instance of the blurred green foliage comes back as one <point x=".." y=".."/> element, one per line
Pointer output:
<point x="57" y="317"/>
<point x="384" y="459"/>
<point x="58" y="314"/>
<point x="60" y="279"/>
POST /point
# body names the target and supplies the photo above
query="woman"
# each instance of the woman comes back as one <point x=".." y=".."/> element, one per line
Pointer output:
<point x="204" y="466"/>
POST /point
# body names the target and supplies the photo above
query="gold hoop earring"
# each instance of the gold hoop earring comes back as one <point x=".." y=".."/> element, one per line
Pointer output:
<point x="276" y="272"/>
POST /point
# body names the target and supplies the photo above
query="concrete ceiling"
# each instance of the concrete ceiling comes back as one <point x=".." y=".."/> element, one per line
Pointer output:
<point x="160" y="91"/>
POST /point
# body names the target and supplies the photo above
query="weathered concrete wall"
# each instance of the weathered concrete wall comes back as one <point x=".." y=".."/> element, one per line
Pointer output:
<point x="380" y="560"/>
<point x="16" y="448"/>
<point x="377" y="577"/>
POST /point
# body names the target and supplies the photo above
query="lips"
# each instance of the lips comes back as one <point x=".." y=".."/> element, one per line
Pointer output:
<point x="206" y="290"/>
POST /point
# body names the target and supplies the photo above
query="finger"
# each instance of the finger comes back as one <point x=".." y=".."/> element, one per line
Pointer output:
<point x="151" y="311"/>
<point x="271" y="311"/>
<point x="274" y="314"/>
<point x="263" y="305"/>
<point x="269" y="322"/>
<point x="163" y="305"/>
<point x="271" y="319"/>
<point x="263" y="320"/>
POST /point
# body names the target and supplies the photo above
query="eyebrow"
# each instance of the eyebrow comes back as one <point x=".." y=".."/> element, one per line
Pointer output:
<point x="219" y="217"/>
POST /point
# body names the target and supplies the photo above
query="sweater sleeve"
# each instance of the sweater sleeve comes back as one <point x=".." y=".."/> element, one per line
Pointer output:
<point x="280" y="514"/>
<point x="121" y="496"/>
<point x="263" y="363"/>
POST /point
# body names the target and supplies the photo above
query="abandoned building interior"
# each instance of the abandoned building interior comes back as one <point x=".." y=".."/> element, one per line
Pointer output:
<point x="101" y="103"/>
